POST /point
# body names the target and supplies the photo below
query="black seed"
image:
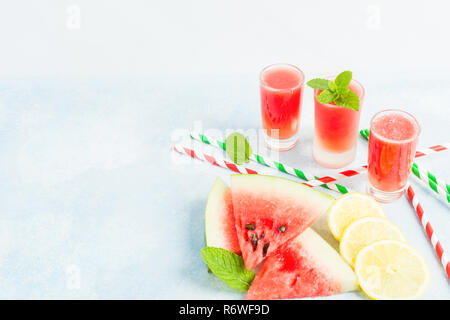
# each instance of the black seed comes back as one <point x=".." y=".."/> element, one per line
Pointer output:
<point x="250" y="226"/>
<point x="261" y="236"/>
<point x="282" y="228"/>
<point x="266" y="246"/>
<point x="254" y="241"/>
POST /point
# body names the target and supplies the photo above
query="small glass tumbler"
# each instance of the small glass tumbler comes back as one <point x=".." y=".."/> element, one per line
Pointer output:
<point x="281" y="88"/>
<point x="336" y="129"/>
<point x="393" y="139"/>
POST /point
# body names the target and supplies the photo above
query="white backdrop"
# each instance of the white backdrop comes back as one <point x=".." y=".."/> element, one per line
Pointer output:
<point x="142" y="37"/>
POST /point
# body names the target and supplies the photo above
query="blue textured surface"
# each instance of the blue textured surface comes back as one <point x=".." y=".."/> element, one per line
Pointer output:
<point x="93" y="203"/>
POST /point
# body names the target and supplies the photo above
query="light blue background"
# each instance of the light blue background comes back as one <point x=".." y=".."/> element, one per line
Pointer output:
<point x="95" y="205"/>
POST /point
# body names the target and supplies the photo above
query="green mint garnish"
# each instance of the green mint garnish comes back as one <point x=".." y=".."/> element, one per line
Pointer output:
<point x="336" y="91"/>
<point x="327" y="96"/>
<point x="343" y="79"/>
<point x="238" y="148"/>
<point x="319" y="83"/>
<point x="348" y="100"/>
<point x="228" y="267"/>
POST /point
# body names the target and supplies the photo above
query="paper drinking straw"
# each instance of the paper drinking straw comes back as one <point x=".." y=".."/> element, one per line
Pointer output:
<point x="422" y="175"/>
<point x="433" y="178"/>
<point x="220" y="162"/>
<point x="273" y="164"/>
<point x="211" y="159"/>
<point x="426" y="176"/>
<point x="428" y="229"/>
<point x="327" y="180"/>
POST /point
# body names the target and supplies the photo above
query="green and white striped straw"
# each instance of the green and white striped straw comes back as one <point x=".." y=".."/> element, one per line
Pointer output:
<point x="437" y="185"/>
<point x="273" y="164"/>
<point x="422" y="175"/>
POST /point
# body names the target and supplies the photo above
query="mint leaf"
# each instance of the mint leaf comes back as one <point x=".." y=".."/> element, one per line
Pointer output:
<point x="342" y="91"/>
<point x="228" y="267"/>
<point x="327" y="96"/>
<point x="238" y="148"/>
<point x="348" y="100"/>
<point x="332" y="86"/>
<point x="343" y="79"/>
<point x="337" y="91"/>
<point x="321" y="84"/>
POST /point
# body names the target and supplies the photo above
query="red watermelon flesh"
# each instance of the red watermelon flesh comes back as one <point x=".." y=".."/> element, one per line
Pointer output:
<point x="305" y="267"/>
<point x="220" y="229"/>
<point x="269" y="211"/>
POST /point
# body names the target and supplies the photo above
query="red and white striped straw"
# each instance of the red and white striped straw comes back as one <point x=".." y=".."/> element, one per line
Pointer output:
<point x="362" y="169"/>
<point x="433" y="149"/>
<point x="428" y="229"/>
<point x="213" y="160"/>
<point x="343" y="174"/>
<point x="220" y="162"/>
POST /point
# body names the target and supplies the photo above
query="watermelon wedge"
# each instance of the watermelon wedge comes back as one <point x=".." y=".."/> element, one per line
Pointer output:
<point x="220" y="229"/>
<point x="269" y="211"/>
<point x="307" y="266"/>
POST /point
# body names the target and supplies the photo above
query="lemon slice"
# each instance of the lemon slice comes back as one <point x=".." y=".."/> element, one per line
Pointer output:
<point x="390" y="269"/>
<point x="349" y="208"/>
<point x="366" y="231"/>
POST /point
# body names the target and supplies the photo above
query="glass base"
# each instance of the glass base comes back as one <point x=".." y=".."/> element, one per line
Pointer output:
<point x="331" y="159"/>
<point x="280" y="144"/>
<point x="384" y="196"/>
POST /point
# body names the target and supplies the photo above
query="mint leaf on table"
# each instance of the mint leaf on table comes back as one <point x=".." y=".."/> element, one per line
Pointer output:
<point x="238" y="148"/>
<point x="228" y="267"/>
<point x="321" y="84"/>
<point x="336" y="91"/>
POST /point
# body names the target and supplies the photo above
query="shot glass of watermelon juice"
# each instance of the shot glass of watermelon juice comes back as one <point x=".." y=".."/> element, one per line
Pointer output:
<point x="336" y="129"/>
<point x="281" y="88"/>
<point x="393" y="139"/>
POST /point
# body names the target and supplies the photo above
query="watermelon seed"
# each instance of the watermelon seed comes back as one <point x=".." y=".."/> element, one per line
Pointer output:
<point x="254" y="241"/>
<point x="266" y="246"/>
<point x="250" y="226"/>
<point x="261" y="236"/>
<point x="282" y="228"/>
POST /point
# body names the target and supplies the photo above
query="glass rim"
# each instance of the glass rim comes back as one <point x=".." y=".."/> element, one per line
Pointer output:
<point x="290" y="66"/>
<point x="392" y="110"/>
<point x="360" y="96"/>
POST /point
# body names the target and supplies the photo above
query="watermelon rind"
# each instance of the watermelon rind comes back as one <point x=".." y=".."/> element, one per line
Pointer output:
<point x="219" y="219"/>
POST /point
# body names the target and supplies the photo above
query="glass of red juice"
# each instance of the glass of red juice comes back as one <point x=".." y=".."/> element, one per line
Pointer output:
<point x="281" y="87"/>
<point x="393" y="139"/>
<point x="336" y="129"/>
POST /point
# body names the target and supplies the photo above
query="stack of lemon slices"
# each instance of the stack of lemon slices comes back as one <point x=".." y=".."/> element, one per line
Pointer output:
<point x="386" y="266"/>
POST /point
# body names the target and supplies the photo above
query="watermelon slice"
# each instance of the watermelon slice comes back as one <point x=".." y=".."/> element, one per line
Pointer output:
<point x="269" y="211"/>
<point x="305" y="267"/>
<point x="219" y="219"/>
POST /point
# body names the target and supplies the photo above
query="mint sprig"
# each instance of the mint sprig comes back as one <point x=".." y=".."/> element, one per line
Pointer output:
<point x="228" y="267"/>
<point x="238" y="148"/>
<point x="336" y="91"/>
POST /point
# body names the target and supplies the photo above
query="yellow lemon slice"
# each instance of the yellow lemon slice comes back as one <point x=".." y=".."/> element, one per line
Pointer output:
<point x="366" y="231"/>
<point x="390" y="269"/>
<point x="350" y="207"/>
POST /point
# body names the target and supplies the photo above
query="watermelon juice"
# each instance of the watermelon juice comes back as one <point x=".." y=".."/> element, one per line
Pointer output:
<point x="336" y="129"/>
<point x="281" y="88"/>
<point x="392" y="146"/>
